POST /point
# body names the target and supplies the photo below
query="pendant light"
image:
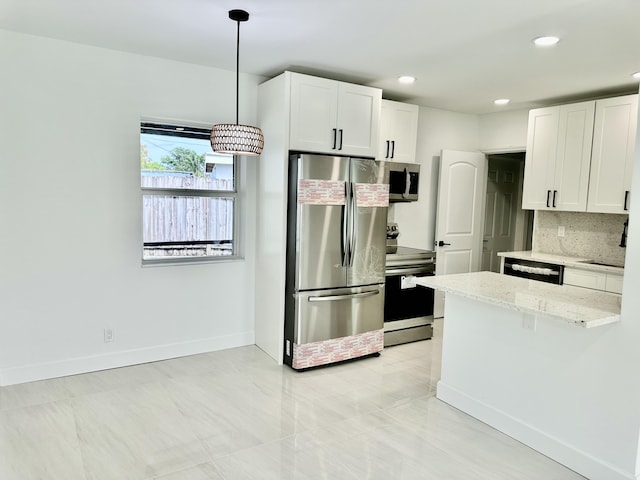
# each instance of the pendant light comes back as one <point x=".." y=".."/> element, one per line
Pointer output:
<point x="233" y="138"/>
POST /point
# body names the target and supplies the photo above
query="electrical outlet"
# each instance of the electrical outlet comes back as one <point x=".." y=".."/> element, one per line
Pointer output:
<point x="561" y="231"/>
<point x="108" y="335"/>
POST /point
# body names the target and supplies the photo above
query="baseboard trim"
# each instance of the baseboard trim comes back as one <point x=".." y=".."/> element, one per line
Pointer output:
<point x="123" y="358"/>
<point x="554" y="448"/>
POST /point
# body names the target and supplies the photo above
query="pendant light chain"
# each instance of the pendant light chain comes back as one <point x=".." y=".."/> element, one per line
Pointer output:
<point x="238" y="73"/>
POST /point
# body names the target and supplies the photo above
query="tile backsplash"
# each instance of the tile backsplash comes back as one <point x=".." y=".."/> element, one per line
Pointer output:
<point x="595" y="236"/>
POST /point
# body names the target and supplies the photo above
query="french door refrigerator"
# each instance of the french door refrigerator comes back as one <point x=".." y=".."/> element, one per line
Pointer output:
<point x="335" y="266"/>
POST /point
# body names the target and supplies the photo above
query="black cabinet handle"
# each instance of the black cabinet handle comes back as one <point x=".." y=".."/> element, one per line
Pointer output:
<point x="335" y="138"/>
<point x="387" y="154"/>
<point x="393" y="148"/>
<point x="341" y="134"/>
<point x="555" y="192"/>
<point x="442" y="244"/>
<point x="626" y="200"/>
<point x="548" y="196"/>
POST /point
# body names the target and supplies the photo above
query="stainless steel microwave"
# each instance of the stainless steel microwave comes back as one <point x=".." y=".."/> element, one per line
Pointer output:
<point x="403" y="181"/>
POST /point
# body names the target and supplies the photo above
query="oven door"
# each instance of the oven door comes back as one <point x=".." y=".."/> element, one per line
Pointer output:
<point x="408" y="308"/>
<point x="534" y="270"/>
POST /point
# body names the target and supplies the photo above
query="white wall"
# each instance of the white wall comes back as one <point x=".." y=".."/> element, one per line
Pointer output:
<point x="437" y="130"/>
<point x="628" y="357"/>
<point x="503" y="132"/>
<point x="70" y="212"/>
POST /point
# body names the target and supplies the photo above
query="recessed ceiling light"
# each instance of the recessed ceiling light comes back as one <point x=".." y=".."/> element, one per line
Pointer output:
<point x="406" y="79"/>
<point x="636" y="75"/>
<point x="501" y="101"/>
<point x="549" y="41"/>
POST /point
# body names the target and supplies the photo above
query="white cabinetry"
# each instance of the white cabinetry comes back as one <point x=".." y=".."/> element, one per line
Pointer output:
<point x="579" y="156"/>
<point x="328" y="116"/>
<point x="558" y="157"/>
<point x="613" y="283"/>
<point x="614" y="137"/>
<point x="605" y="281"/>
<point x="299" y="112"/>
<point x="398" y="131"/>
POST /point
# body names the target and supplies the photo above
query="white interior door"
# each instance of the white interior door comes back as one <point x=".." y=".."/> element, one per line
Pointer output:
<point x="461" y="194"/>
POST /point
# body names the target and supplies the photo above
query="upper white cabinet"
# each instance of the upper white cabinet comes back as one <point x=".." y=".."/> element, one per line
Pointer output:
<point x="614" y="137"/>
<point x="558" y="157"/>
<point x="328" y="116"/>
<point x="398" y="132"/>
<point x="579" y="156"/>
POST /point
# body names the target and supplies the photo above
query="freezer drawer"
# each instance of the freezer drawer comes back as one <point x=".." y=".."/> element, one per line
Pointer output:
<point x="327" y="314"/>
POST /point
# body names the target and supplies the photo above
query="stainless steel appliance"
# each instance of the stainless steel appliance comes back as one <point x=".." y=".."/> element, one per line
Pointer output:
<point x="335" y="265"/>
<point x="534" y="270"/>
<point x="404" y="180"/>
<point x="408" y="308"/>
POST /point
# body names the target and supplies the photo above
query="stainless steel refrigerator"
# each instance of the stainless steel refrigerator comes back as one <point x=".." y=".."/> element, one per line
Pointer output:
<point x="335" y="266"/>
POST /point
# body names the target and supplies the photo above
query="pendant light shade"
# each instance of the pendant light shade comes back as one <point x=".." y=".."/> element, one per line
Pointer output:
<point x="233" y="138"/>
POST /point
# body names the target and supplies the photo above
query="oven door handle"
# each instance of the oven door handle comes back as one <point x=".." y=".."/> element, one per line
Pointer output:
<point x="349" y="296"/>
<point x="533" y="270"/>
<point x="407" y="271"/>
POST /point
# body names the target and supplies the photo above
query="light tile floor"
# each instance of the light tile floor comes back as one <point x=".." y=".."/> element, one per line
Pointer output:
<point x="234" y="414"/>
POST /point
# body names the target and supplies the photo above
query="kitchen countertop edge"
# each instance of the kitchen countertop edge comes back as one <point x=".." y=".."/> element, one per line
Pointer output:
<point x="556" y="302"/>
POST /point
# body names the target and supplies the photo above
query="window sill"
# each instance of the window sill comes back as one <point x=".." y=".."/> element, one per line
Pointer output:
<point x="170" y="262"/>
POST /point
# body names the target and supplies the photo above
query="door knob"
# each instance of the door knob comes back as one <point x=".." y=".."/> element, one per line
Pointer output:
<point x="442" y="244"/>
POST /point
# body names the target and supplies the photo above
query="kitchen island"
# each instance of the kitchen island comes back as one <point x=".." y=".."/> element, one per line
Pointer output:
<point x="526" y="358"/>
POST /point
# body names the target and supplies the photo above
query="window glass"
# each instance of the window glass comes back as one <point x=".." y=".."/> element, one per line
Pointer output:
<point x="189" y="194"/>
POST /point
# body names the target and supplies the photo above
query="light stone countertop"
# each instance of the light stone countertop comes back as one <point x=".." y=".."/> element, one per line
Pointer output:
<point x="579" y="306"/>
<point x="577" y="262"/>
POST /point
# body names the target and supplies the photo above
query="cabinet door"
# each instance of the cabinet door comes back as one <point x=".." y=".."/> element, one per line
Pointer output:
<point x="314" y="111"/>
<point x="573" y="157"/>
<point x="585" y="278"/>
<point x="358" y="119"/>
<point x="398" y="132"/>
<point x="614" y="137"/>
<point x="613" y="283"/>
<point x="539" y="165"/>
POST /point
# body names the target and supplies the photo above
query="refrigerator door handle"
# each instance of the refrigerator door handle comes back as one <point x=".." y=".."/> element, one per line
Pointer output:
<point x="349" y="296"/>
<point x="352" y="238"/>
<point x="344" y="233"/>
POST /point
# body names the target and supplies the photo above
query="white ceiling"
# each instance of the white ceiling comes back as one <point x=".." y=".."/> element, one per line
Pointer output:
<point x="464" y="53"/>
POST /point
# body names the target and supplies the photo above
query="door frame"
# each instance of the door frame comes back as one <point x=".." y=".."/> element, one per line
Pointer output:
<point x="521" y="229"/>
<point x="521" y="217"/>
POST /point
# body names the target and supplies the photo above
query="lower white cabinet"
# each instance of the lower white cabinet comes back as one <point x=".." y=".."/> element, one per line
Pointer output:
<point x="613" y="283"/>
<point x="604" y="281"/>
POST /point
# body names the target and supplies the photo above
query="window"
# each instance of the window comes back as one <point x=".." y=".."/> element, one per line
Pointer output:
<point x="189" y="195"/>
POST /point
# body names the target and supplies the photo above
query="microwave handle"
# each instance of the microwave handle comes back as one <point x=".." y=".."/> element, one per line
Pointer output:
<point x="407" y="183"/>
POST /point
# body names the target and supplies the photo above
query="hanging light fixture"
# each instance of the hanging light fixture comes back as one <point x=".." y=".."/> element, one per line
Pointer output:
<point x="233" y="138"/>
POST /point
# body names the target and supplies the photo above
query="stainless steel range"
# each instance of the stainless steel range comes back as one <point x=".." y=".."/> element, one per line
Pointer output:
<point x="408" y="308"/>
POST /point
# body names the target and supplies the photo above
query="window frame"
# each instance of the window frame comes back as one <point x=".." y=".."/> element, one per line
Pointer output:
<point x="191" y="130"/>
